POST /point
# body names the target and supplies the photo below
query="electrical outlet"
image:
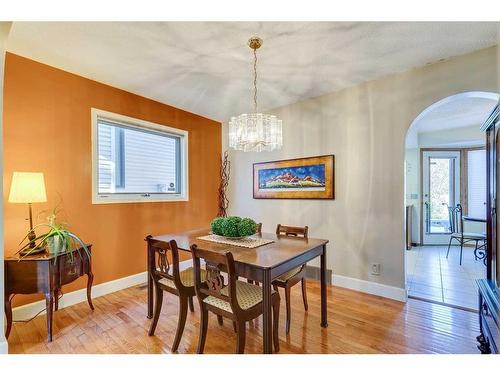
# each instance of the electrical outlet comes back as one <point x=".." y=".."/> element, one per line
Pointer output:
<point x="375" y="268"/>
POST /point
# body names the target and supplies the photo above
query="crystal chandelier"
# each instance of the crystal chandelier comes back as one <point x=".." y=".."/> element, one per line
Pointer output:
<point x="255" y="131"/>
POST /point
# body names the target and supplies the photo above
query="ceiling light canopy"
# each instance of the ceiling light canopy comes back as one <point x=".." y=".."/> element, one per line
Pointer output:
<point x="255" y="131"/>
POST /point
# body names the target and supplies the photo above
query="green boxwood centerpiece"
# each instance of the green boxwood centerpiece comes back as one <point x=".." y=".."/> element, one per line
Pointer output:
<point x="233" y="226"/>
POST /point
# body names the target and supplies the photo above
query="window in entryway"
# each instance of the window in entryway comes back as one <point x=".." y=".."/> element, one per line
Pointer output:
<point x="476" y="183"/>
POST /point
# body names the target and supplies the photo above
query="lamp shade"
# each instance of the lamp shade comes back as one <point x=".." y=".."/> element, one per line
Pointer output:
<point x="27" y="187"/>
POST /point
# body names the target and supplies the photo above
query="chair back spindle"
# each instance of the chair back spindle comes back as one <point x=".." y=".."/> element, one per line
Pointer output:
<point x="456" y="219"/>
<point x="284" y="230"/>
<point x="259" y="228"/>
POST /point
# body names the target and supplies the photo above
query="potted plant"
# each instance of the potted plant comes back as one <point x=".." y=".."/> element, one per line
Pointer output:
<point x="233" y="227"/>
<point x="58" y="239"/>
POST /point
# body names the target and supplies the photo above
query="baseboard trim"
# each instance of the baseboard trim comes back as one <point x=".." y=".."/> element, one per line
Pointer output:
<point x="4" y="347"/>
<point x="29" y="310"/>
<point x="370" y="287"/>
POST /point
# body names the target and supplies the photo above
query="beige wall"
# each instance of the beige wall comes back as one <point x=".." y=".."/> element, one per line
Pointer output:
<point x="4" y="31"/>
<point x="365" y="127"/>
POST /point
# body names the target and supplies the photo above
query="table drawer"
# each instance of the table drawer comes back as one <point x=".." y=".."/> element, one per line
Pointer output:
<point x="71" y="268"/>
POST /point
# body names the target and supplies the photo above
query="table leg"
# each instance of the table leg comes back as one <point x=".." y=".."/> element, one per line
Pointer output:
<point x="150" y="282"/>
<point x="49" y="301"/>
<point x="90" y="281"/>
<point x="266" y="316"/>
<point x="324" y="320"/>
<point x="8" y="314"/>
<point x="56" y="299"/>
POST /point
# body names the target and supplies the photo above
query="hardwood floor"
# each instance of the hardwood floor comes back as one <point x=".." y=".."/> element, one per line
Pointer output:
<point x="358" y="323"/>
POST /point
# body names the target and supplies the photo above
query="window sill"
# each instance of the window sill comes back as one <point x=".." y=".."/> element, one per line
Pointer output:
<point x="96" y="200"/>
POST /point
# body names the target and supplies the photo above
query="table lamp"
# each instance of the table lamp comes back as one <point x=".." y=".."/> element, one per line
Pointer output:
<point x="28" y="187"/>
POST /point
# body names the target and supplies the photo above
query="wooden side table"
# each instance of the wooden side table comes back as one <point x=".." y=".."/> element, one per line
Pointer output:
<point x="45" y="273"/>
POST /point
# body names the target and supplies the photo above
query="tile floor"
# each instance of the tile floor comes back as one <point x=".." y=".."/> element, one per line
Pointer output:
<point x="431" y="276"/>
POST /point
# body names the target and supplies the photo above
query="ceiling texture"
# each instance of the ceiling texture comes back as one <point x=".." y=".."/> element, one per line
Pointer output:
<point x="206" y="67"/>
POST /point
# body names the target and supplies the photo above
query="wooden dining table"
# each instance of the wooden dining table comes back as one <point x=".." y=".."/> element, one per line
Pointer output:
<point x="264" y="264"/>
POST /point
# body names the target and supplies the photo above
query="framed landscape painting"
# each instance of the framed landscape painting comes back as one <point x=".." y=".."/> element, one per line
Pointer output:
<point x="304" y="178"/>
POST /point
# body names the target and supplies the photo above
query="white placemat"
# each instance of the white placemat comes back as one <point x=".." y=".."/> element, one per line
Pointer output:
<point x="248" y="242"/>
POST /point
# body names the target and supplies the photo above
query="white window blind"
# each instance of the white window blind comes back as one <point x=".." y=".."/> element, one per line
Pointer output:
<point x="137" y="161"/>
<point x="476" y="183"/>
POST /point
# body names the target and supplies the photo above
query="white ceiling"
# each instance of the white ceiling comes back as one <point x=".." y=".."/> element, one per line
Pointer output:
<point x="457" y="113"/>
<point x="206" y="67"/>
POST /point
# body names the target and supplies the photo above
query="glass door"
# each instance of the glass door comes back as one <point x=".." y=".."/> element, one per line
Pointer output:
<point x="441" y="190"/>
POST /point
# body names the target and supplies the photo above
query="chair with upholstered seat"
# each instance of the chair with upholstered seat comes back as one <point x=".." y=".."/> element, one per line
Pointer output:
<point x="167" y="277"/>
<point x="294" y="276"/>
<point x="458" y="234"/>
<point x="236" y="300"/>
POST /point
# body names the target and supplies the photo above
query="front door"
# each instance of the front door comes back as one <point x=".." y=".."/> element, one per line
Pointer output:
<point x="441" y="190"/>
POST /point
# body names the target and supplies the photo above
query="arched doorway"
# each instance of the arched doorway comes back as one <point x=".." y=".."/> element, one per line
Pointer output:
<point x="445" y="167"/>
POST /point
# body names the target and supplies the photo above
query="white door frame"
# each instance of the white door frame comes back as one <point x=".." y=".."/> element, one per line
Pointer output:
<point x="437" y="238"/>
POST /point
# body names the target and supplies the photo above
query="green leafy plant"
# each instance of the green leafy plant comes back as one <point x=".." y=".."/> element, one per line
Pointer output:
<point x="58" y="237"/>
<point x="216" y="225"/>
<point x="230" y="226"/>
<point x="233" y="226"/>
<point x="247" y="227"/>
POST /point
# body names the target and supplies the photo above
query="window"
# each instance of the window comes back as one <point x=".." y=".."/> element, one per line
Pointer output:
<point x="137" y="161"/>
<point x="476" y="183"/>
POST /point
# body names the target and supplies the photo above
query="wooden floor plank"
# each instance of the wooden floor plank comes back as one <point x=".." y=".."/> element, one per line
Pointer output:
<point x="358" y="323"/>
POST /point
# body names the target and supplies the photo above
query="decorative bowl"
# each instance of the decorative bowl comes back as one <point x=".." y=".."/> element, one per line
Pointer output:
<point x="234" y="238"/>
<point x="231" y="238"/>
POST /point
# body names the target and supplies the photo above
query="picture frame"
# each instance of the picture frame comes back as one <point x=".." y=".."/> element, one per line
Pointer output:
<point x="302" y="178"/>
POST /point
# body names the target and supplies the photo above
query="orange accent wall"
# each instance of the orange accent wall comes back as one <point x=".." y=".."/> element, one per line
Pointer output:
<point x="47" y="128"/>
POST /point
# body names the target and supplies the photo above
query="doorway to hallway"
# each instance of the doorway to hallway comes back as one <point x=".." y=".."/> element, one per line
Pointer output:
<point x="445" y="184"/>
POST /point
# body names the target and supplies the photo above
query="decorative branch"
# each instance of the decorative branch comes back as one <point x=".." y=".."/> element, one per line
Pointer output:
<point x="225" y="171"/>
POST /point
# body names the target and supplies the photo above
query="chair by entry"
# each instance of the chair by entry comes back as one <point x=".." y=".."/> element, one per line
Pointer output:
<point x="458" y="234"/>
<point x="168" y="278"/>
<point x="237" y="300"/>
<point x="294" y="276"/>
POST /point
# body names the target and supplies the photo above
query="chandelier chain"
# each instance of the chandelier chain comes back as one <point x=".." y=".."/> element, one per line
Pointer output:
<point x="255" y="131"/>
<point x="255" y="80"/>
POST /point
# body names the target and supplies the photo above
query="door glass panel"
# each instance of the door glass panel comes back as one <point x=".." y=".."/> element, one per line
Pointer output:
<point x="441" y="193"/>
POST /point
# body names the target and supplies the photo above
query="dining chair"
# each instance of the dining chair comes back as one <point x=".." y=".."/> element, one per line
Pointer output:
<point x="458" y="234"/>
<point x="237" y="300"/>
<point x="294" y="276"/>
<point x="168" y="278"/>
<point x="259" y="229"/>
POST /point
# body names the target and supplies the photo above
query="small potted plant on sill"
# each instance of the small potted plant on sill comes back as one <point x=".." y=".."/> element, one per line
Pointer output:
<point x="57" y="240"/>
